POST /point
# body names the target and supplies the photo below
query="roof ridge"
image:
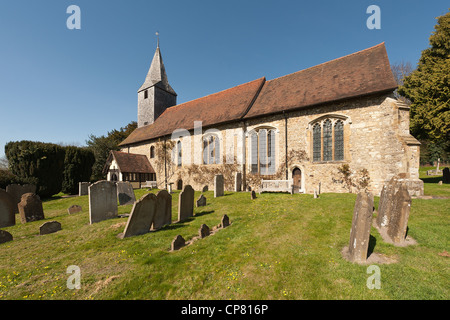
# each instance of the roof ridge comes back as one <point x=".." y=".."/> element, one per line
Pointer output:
<point x="327" y="62"/>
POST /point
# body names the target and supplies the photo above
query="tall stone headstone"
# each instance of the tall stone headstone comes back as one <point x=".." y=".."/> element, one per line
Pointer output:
<point x="360" y="232"/>
<point x="125" y="193"/>
<point x="30" y="208"/>
<point x="401" y="207"/>
<point x="7" y="209"/>
<point x="142" y="216"/>
<point x="17" y="191"/>
<point x="83" y="188"/>
<point x="186" y="203"/>
<point x="163" y="211"/>
<point x="386" y="203"/>
<point x="237" y="182"/>
<point x="218" y="186"/>
<point x="446" y="175"/>
<point x="102" y="201"/>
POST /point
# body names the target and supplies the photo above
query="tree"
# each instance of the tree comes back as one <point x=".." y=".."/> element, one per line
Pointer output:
<point x="401" y="70"/>
<point x="102" y="145"/>
<point x="78" y="164"/>
<point x="428" y="87"/>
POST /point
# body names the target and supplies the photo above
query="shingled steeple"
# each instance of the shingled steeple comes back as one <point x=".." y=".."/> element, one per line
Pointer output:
<point x="155" y="95"/>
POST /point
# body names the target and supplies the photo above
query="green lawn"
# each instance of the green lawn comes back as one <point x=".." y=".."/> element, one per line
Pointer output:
<point x="278" y="246"/>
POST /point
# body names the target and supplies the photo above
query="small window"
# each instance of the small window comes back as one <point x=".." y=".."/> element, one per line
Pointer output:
<point x="145" y="94"/>
<point x="152" y="152"/>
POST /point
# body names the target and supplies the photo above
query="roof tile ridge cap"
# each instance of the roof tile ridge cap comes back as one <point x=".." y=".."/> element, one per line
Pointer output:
<point x="330" y="61"/>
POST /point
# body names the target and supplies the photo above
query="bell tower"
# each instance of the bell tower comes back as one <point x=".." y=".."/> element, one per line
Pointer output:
<point x="156" y="94"/>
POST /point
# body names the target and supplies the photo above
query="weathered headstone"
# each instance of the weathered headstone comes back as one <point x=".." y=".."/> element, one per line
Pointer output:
<point x="17" y="191"/>
<point x="446" y="175"/>
<point x="163" y="213"/>
<point x="218" y="186"/>
<point x="141" y="217"/>
<point x="74" y="209"/>
<point x="316" y="195"/>
<point x="385" y="204"/>
<point x="49" y="227"/>
<point x="360" y="232"/>
<point x="102" y="201"/>
<point x="398" y="223"/>
<point x="125" y="193"/>
<point x="225" y="222"/>
<point x="7" y="209"/>
<point x="204" y="231"/>
<point x="205" y="188"/>
<point x="178" y="243"/>
<point x="5" y="236"/>
<point x="83" y="188"/>
<point x="201" y="201"/>
<point x="253" y="194"/>
<point x="237" y="182"/>
<point x="186" y="203"/>
<point x="30" y="208"/>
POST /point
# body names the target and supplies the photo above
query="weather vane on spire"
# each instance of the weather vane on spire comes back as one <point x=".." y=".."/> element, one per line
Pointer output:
<point x="157" y="39"/>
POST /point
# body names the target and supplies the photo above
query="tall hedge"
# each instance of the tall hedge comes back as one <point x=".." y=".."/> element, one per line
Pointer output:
<point x="52" y="168"/>
<point x="40" y="163"/>
<point x="78" y="164"/>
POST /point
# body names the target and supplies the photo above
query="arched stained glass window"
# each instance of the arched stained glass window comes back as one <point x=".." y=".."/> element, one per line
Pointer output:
<point x="271" y="151"/>
<point x="339" y="141"/>
<point x="211" y="150"/>
<point x="254" y="152"/>
<point x="317" y="142"/>
<point x="262" y="146"/>
<point x="327" y="141"/>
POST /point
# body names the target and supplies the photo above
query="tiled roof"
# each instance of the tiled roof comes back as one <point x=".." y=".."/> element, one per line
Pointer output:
<point x="130" y="162"/>
<point x="361" y="73"/>
<point x="358" y="74"/>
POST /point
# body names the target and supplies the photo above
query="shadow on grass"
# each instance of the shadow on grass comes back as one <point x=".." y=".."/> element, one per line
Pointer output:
<point x="372" y="244"/>
<point x="431" y="179"/>
<point x="199" y="214"/>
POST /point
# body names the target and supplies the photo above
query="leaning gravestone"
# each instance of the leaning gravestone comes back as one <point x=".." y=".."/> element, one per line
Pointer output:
<point x="49" y="227"/>
<point x="5" y="236"/>
<point x="201" y="201"/>
<point x="186" y="203"/>
<point x="446" y="175"/>
<point x="398" y="223"/>
<point x="83" y="188"/>
<point x="102" y="201"/>
<point x="7" y="209"/>
<point x="125" y="193"/>
<point x="142" y="216"/>
<point x="218" y="186"/>
<point x="17" y="191"/>
<point x="238" y="182"/>
<point x="360" y="232"/>
<point x="385" y="204"/>
<point x="163" y="211"/>
<point x="30" y="208"/>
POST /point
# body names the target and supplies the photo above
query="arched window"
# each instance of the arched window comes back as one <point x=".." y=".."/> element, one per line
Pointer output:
<point x="152" y="152"/>
<point x="179" y="153"/>
<point x="262" y="144"/>
<point x="339" y="141"/>
<point x="211" y="150"/>
<point x="328" y="140"/>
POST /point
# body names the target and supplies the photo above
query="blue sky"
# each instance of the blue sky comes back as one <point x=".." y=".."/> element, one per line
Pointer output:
<point x="59" y="85"/>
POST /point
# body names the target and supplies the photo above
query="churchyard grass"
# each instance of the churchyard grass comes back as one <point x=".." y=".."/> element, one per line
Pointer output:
<point x="278" y="246"/>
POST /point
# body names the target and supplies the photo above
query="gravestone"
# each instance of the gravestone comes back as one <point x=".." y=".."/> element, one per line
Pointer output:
<point x="360" y="232"/>
<point x="385" y="204"/>
<point x="218" y="186"/>
<point x="74" y="209"/>
<point x="253" y="195"/>
<point x="225" y="222"/>
<point x="446" y="175"/>
<point x="186" y="203"/>
<point x="205" y="188"/>
<point x="178" y="243"/>
<point x="238" y="182"/>
<point x="163" y="211"/>
<point x="7" y="209"/>
<point x="17" y="191"/>
<point x="102" y="201"/>
<point x="49" y="227"/>
<point x="398" y="222"/>
<point x="316" y="195"/>
<point x="83" y="188"/>
<point x="5" y="236"/>
<point x="201" y="201"/>
<point x="141" y="217"/>
<point x="125" y="193"/>
<point x="30" y="208"/>
<point x="204" y="231"/>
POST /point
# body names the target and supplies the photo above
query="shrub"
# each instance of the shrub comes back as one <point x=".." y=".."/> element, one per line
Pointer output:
<point x="78" y="164"/>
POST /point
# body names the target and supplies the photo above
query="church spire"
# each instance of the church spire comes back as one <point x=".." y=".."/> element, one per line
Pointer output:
<point x="156" y="75"/>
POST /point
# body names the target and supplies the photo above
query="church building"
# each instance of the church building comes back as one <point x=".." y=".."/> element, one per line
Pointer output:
<point x="336" y="126"/>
